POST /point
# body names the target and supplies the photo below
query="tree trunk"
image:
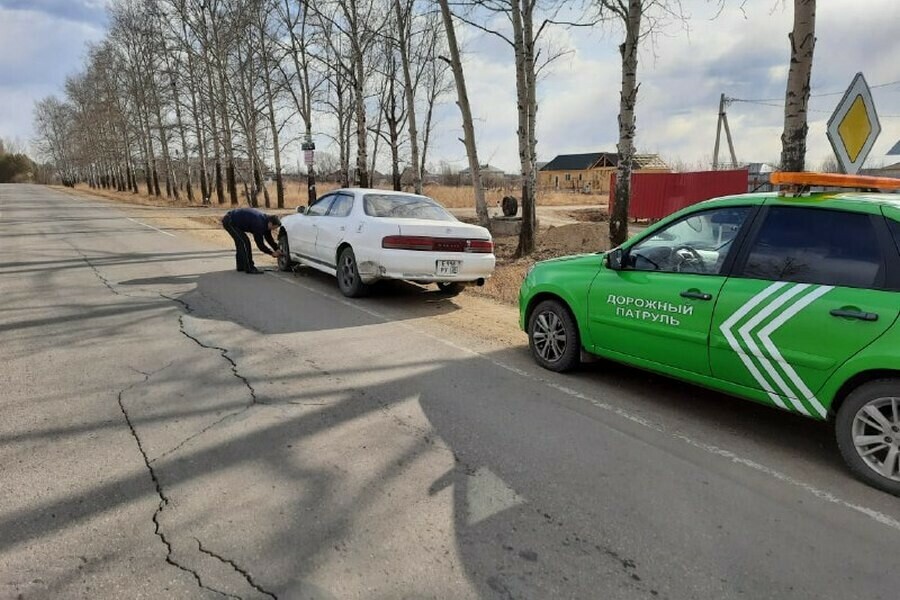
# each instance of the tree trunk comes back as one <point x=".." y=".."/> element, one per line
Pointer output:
<point x="276" y="157"/>
<point x="359" y="98"/>
<point x="270" y="105"/>
<point x="796" y="101"/>
<point x="376" y="138"/>
<point x="528" y="141"/>
<point x="228" y="141"/>
<point x="205" y="192"/>
<point x="171" y="188"/>
<point x="618" y="220"/>
<point x="344" y="138"/>
<point x="403" y="26"/>
<point x="466" y="110"/>
<point x="148" y="175"/>
<point x="189" y="179"/>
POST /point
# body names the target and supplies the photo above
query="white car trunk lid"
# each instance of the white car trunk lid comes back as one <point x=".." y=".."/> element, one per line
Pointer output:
<point x="446" y="229"/>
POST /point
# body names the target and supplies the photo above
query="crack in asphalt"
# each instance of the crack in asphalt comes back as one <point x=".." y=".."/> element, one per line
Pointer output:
<point x="244" y="572"/>
<point x="163" y="498"/>
<point x="96" y="271"/>
<point x="223" y="351"/>
<point x="148" y="463"/>
<point x="254" y="400"/>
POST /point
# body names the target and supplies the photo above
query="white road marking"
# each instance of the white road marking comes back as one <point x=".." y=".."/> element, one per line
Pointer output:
<point x="151" y="227"/>
<point x="827" y="496"/>
<point x="487" y="494"/>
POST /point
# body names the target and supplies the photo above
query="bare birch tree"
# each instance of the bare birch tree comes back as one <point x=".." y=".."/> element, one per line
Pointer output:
<point x="465" y="109"/>
<point x="638" y="20"/>
<point x="796" y="100"/>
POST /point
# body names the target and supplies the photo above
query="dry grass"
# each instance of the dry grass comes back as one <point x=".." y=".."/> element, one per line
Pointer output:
<point x="296" y="195"/>
<point x="463" y="197"/>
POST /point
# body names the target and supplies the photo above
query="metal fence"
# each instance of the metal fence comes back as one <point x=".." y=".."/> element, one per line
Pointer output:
<point x="657" y="195"/>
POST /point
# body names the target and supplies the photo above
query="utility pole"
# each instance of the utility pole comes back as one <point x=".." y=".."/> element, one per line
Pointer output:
<point x="723" y="119"/>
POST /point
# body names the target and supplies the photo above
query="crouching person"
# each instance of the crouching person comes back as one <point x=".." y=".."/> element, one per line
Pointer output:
<point x="243" y="221"/>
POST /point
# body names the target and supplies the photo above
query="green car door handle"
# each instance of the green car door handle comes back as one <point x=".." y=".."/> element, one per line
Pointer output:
<point x="696" y="295"/>
<point x="854" y="314"/>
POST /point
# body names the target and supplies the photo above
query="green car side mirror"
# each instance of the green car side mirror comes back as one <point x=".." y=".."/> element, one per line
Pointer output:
<point x="614" y="259"/>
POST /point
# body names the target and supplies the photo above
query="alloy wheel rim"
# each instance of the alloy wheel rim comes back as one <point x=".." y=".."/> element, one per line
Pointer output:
<point x="549" y="335"/>
<point x="347" y="275"/>
<point x="876" y="436"/>
<point x="283" y="258"/>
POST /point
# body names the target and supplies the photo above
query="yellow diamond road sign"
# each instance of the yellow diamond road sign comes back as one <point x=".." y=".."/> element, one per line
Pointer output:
<point x="854" y="127"/>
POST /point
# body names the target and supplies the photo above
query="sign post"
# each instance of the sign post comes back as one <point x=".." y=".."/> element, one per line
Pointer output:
<point x="854" y="127"/>
<point x="309" y="157"/>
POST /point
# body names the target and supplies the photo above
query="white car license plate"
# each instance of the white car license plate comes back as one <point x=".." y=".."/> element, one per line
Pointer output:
<point x="447" y="267"/>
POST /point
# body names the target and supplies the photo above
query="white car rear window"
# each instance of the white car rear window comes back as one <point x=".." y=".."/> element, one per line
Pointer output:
<point x="395" y="206"/>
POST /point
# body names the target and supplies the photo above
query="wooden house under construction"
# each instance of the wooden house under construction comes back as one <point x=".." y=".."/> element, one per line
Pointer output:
<point x="589" y="173"/>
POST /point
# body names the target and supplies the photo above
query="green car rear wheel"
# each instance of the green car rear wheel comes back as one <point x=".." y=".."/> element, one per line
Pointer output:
<point x="867" y="428"/>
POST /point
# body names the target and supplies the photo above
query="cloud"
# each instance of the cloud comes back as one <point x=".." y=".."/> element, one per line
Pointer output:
<point x="38" y="50"/>
<point x="742" y="53"/>
<point x="83" y="11"/>
<point x="681" y="78"/>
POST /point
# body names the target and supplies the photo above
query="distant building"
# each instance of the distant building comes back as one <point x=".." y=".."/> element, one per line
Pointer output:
<point x="888" y="171"/>
<point x="590" y="172"/>
<point x="490" y="176"/>
<point x="407" y="177"/>
<point x="758" y="176"/>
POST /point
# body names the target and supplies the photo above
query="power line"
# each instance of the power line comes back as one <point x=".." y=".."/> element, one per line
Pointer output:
<point x="823" y="95"/>
<point x="810" y="110"/>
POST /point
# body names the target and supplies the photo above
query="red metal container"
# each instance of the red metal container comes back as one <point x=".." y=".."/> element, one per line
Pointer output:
<point x="657" y="195"/>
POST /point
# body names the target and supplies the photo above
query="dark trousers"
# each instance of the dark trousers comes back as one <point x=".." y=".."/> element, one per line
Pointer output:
<point x="243" y="256"/>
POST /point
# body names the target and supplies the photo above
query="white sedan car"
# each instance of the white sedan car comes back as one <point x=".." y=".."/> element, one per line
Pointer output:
<point x="365" y="235"/>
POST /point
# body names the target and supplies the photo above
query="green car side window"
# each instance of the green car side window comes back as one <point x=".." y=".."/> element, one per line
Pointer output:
<point x="895" y="229"/>
<point x="696" y="243"/>
<point x="826" y="247"/>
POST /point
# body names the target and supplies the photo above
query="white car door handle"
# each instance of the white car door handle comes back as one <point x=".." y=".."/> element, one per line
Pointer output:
<point x="343" y="228"/>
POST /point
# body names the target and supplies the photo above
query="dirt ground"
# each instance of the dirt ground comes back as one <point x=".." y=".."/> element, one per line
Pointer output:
<point x="589" y="235"/>
<point x="577" y="238"/>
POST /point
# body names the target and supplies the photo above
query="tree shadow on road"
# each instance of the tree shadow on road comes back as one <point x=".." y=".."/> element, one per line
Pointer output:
<point x="534" y="479"/>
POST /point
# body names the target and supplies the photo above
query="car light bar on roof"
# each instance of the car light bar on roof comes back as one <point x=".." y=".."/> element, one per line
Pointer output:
<point x="834" y="180"/>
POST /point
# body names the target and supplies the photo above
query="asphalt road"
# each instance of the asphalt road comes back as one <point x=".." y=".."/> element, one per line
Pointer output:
<point x="173" y="429"/>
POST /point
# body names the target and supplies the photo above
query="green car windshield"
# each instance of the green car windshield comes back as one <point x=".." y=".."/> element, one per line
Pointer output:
<point x="707" y="235"/>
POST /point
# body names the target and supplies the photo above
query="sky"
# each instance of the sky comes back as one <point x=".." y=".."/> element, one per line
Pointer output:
<point x="742" y="51"/>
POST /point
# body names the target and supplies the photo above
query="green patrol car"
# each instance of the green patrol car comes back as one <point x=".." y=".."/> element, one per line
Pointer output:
<point x="787" y="300"/>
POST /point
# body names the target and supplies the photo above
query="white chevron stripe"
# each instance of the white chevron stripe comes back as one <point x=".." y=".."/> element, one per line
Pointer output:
<point x="746" y="331"/>
<point x="739" y="314"/>
<point x="765" y="336"/>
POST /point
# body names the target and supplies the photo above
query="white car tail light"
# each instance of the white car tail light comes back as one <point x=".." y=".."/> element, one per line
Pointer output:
<point x="436" y="244"/>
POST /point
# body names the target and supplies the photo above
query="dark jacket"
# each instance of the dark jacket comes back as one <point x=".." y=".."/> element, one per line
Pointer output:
<point x="256" y="223"/>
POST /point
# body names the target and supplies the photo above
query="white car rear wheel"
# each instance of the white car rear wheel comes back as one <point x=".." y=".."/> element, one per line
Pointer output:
<point x="349" y="281"/>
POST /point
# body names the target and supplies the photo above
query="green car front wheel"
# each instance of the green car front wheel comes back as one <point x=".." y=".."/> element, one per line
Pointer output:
<point x="553" y="337"/>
